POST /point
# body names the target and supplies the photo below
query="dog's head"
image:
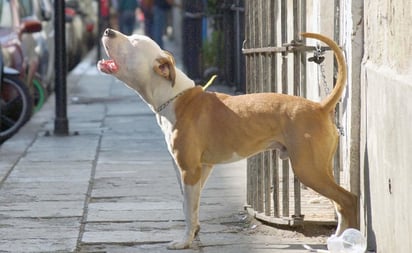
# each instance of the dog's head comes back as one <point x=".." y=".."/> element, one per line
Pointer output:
<point x="137" y="61"/>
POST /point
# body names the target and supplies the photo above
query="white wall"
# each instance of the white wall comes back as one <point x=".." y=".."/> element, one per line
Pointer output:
<point x="386" y="134"/>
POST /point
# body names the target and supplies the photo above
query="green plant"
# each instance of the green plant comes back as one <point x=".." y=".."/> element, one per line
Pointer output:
<point x="211" y="49"/>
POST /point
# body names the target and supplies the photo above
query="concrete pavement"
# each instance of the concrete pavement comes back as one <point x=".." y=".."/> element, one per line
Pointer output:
<point x="110" y="185"/>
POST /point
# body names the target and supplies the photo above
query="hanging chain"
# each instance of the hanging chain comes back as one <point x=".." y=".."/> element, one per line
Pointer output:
<point x="318" y="58"/>
<point x="323" y="81"/>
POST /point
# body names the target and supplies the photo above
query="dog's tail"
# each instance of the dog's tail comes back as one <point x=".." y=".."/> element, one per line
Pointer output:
<point x="329" y="103"/>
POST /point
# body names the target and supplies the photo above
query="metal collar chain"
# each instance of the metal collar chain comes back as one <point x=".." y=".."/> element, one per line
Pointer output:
<point x="163" y="106"/>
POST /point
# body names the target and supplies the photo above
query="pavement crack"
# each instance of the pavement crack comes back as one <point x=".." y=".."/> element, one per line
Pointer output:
<point x="88" y="197"/>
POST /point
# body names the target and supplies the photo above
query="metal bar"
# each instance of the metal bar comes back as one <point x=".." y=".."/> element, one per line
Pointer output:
<point x="254" y="182"/>
<point x="275" y="183"/>
<point x="260" y="88"/>
<point x="289" y="48"/>
<point x="303" y="54"/>
<point x="273" y="66"/>
<point x="252" y="160"/>
<point x="303" y="61"/>
<point x="237" y="44"/>
<point x="296" y="55"/>
<point x="264" y="50"/>
<point x="285" y="164"/>
<point x="255" y="42"/>
<point x="337" y="159"/>
<point x="267" y="182"/>
<point x="296" y="92"/>
<point x="266" y="88"/>
<point x="274" y="88"/>
<point x="248" y="82"/>
<point x="61" y="123"/>
<point x="260" y="190"/>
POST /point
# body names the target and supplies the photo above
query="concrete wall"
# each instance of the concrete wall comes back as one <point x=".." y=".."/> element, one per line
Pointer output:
<point x="352" y="37"/>
<point x="376" y="112"/>
<point x="386" y="120"/>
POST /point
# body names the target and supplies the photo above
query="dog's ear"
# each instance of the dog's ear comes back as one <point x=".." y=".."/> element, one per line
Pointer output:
<point x="165" y="66"/>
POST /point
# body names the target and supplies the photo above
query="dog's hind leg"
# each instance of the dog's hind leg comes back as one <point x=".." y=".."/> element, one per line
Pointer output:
<point x="314" y="169"/>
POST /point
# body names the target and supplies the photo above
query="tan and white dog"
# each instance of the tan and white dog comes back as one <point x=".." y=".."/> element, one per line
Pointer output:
<point x="206" y="128"/>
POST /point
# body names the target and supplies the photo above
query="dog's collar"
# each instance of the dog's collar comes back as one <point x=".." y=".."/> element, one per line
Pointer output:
<point x="164" y="105"/>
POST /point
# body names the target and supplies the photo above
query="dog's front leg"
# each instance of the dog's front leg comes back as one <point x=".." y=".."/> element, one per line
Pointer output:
<point x="191" y="194"/>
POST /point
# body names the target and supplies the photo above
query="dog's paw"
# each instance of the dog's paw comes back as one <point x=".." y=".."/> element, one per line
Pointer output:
<point x="185" y="244"/>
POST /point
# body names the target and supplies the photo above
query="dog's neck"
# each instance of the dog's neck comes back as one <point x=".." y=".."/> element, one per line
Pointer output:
<point x="167" y="96"/>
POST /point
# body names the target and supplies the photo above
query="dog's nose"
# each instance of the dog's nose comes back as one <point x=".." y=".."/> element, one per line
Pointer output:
<point x="109" y="33"/>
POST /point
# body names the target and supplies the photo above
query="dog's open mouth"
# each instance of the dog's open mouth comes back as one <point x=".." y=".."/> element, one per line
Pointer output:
<point x="108" y="66"/>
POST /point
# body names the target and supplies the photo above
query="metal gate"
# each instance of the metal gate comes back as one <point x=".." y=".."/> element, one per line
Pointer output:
<point x="275" y="54"/>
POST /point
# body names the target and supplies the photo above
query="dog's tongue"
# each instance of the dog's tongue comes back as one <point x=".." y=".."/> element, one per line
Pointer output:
<point x="108" y="66"/>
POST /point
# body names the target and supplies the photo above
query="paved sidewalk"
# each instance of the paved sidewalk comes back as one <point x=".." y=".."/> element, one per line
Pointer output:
<point x="110" y="185"/>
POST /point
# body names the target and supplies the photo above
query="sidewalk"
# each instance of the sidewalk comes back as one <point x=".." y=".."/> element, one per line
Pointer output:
<point x="110" y="185"/>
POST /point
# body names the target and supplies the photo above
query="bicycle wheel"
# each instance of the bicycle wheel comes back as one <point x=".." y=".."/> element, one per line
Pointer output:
<point x="16" y="106"/>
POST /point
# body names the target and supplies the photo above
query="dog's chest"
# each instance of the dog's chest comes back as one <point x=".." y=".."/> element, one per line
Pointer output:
<point x="166" y="123"/>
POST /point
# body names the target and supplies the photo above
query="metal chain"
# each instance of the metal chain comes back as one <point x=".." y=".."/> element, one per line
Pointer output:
<point x="318" y="58"/>
<point x="319" y="54"/>
<point x="323" y="81"/>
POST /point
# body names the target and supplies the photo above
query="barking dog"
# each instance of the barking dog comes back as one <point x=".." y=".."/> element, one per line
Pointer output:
<point x="189" y="117"/>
